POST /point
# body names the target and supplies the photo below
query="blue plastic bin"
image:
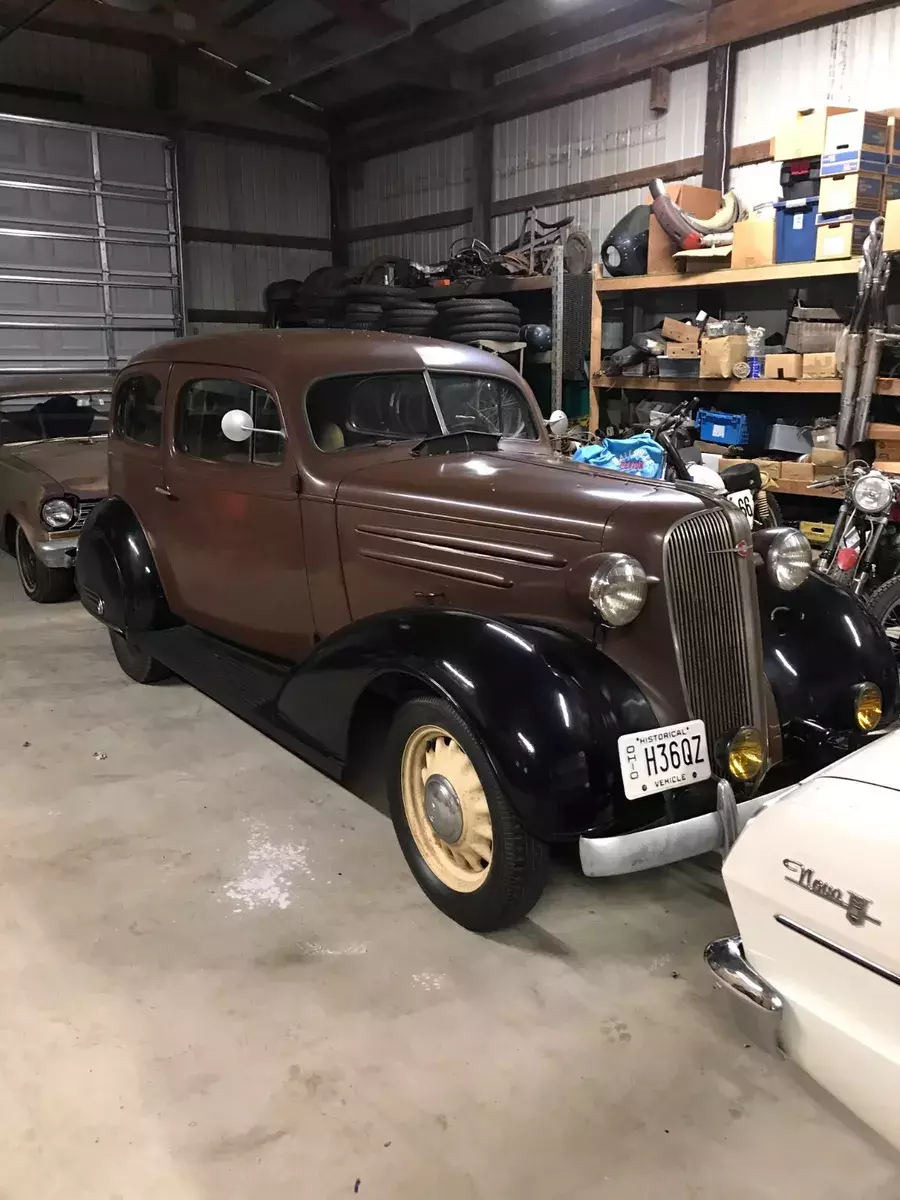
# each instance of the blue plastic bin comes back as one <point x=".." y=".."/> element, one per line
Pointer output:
<point x="726" y="429"/>
<point x="795" y="229"/>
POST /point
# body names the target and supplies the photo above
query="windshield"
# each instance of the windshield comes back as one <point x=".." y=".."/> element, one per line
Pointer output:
<point x="364" y="410"/>
<point x="43" y="418"/>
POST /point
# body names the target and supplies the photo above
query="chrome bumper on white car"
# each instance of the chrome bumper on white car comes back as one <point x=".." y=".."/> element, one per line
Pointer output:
<point x="58" y="553"/>
<point x="756" y="1007"/>
<point x="630" y="852"/>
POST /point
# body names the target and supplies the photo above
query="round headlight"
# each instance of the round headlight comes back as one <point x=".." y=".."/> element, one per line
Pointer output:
<point x="746" y="755"/>
<point x="869" y="707"/>
<point x="57" y="514"/>
<point x="872" y="493"/>
<point x="618" y="589"/>
<point x="790" y="560"/>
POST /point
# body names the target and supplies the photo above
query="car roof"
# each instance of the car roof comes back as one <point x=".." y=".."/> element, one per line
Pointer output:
<point x="299" y="356"/>
<point x="68" y="384"/>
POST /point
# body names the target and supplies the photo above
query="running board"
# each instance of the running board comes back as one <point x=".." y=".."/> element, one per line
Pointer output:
<point x="246" y="684"/>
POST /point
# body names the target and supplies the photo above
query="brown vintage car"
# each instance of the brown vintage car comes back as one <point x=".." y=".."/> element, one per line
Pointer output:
<point x="52" y="472"/>
<point x="325" y="530"/>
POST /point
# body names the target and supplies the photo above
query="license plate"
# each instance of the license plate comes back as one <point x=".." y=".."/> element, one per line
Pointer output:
<point x="657" y="760"/>
<point x="745" y="501"/>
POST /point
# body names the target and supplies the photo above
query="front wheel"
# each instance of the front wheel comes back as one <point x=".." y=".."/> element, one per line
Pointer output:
<point x="463" y="841"/>
<point x="884" y="605"/>
<point x="136" y="663"/>
<point x="40" y="583"/>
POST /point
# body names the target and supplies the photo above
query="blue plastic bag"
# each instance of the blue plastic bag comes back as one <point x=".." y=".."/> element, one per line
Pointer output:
<point x="639" y="455"/>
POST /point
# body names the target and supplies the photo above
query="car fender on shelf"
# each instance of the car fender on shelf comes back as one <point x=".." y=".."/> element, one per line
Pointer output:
<point x="115" y="571"/>
<point x="547" y="706"/>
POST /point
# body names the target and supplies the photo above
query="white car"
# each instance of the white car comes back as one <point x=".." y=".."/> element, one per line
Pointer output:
<point x="814" y="881"/>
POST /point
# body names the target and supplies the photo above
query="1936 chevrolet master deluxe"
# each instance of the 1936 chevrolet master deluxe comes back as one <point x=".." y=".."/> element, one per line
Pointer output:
<point x="310" y="525"/>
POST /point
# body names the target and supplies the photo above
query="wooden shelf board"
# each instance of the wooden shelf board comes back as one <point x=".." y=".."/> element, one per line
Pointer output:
<point x="795" y="387"/>
<point x="792" y="487"/>
<point x="494" y="286"/>
<point x="726" y="277"/>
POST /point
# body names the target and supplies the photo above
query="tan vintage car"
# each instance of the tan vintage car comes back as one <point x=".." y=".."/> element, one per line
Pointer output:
<point x="53" y="433"/>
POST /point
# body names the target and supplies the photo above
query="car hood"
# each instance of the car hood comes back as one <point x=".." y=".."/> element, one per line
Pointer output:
<point x="875" y="764"/>
<point x="76" y="467"/>
<point x="527" y="490"/>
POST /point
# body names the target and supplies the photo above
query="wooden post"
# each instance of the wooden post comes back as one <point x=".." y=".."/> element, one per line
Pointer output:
<point x="660" y="90"/>
<point x="595" y="361"/>
<point x="719" y="118"/>
<point x="483" y="181"/>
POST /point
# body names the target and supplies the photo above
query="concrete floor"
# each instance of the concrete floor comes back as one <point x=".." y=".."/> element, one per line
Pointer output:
<point x="220" y="982"/>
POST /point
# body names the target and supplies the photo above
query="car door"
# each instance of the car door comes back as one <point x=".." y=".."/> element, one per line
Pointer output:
<point x="234" y="535"/>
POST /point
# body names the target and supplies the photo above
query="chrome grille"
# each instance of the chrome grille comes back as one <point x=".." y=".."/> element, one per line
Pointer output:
<point x="85" y="508"/>
<point x="711" y="591"/>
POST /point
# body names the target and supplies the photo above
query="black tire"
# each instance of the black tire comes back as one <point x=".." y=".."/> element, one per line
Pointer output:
<point x="378" y="291"/>
<point x="519" y="863"/>
<point x="42" y="584"/>
<point x="475" y="305"/>
<point x="884" y="605"/>
<point x="485" y="335"/>
<point x="492" y="321"/>
<point x="136" y="664"/>
<point x="408" y="307"/>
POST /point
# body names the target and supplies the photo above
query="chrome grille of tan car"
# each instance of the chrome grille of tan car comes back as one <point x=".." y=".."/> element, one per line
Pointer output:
<point x="711" y="592"/>
<point x="85" y="508"/>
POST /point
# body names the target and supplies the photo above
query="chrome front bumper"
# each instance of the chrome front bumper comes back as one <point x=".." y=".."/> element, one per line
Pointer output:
<point x="630" y="852"/>
<point x="58" y="553"/>
<point x="756" y="1007"/>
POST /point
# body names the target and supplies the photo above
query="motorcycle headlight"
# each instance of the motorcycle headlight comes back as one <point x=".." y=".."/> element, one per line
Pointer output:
<point x="57" y="514"/>
<point x="618" y="589"/>
<point x="789" y="560"/>
<point x="872" y="493"/>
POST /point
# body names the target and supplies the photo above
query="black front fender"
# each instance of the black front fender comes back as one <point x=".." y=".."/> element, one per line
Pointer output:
<point x="548" y="707"/>
<point x="819" y="644"/>
<point x="115" y="571"/>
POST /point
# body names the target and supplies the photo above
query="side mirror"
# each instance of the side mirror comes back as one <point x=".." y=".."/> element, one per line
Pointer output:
<point x="237" y="426"/>
<point x="558" y="423"/>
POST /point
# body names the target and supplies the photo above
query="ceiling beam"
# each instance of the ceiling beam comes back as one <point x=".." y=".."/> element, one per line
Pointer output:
<point x="678" y="39"/>
<point x="457" y="16"/>
<point x="376" y="20"/>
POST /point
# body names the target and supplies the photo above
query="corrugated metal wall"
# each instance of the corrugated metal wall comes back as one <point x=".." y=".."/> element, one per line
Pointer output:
<point x="98" y="74"/>
<point x="238" y="186"/>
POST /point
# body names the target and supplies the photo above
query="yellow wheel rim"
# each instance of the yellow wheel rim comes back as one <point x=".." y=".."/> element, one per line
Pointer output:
<point x="432" y="754"/>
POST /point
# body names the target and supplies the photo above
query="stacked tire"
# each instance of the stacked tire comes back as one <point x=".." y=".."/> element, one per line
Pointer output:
<point x="415" y="317"/>
<point x="364" y="304"/>
<point x="472" y="320"/>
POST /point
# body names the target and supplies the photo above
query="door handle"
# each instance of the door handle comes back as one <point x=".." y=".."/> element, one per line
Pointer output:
<point x="164" y="491"/>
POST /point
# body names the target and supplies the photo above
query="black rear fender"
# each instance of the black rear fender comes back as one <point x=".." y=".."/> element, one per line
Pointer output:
<point x="548" y="707"/>
<point x="117" y="577"/>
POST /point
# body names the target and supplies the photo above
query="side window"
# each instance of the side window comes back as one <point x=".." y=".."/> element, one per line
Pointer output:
<point x="198" y="422"/>
<point x="139" y="410"/>
<point x="363" y="410"/>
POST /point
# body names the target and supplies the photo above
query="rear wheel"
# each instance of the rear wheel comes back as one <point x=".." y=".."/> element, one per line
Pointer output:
<point x="136" y="663"/>
<point x="462" y="840"/>
<point x="884" y="605"/>
<point x="42" y="584"/>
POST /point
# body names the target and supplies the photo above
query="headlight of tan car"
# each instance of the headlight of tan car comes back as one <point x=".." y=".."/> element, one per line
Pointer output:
<point x="57" y="514"/>
<point x="618" y="589"/>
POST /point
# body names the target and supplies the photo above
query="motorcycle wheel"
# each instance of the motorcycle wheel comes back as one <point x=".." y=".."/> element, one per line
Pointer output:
<point x="884" y="605"/>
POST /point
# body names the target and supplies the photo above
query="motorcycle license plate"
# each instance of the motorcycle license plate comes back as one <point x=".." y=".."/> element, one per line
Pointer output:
<point x="745" y="501"/>
<point x="657" y="760"/>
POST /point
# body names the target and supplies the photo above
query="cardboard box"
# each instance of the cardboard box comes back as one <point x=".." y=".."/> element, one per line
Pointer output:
<point x="782" y="366"/>
<point x="892" y="226"/>
<point x="754" y="243"/>
<point x="841" y="239"/>
<point x="889" y="468"/>
<point x="802" y="135"/>
<point x="683" y="350"/>
<point x="855" y="141"/>
<point x="819" y="366"/>
<point x="798" y="472"/>
<point x="719" y="355"/>
<point x="680" y="331"/>
<point x="884" y="431"/>
<point x="828" y="462"/>
<point x="769" y="466"/>
<point x="859" y="193"/>
<point x="891" y="190"/>
<point x="699" y="202"/>
<point x="888" y="451"/>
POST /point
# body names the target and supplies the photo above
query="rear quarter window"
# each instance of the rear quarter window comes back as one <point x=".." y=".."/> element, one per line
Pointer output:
<point x="138" y="410"/>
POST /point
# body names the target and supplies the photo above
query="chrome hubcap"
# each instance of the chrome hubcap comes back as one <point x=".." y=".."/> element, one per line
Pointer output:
<point x="443" y="809"/>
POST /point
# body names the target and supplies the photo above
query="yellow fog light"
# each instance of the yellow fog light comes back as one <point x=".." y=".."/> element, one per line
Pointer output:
<point x="869" y="707"/>
<point x="746" y="755"/>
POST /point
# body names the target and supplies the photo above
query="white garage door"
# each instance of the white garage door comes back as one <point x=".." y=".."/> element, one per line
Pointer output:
<point x="89" y="246"/>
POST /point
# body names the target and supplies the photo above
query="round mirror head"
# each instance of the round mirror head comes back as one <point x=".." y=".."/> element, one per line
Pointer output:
<point x="237" y="425"/>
